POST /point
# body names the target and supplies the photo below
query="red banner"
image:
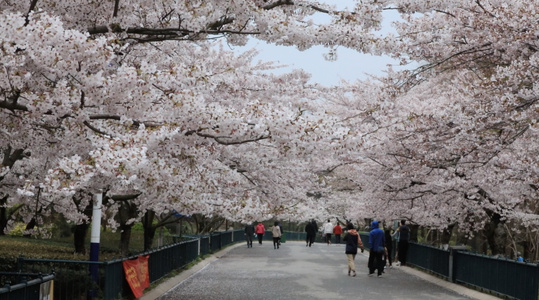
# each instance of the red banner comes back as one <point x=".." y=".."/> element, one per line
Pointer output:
<point x="136" y="274"/>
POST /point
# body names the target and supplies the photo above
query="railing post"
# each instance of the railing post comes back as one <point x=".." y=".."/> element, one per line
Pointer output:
<point x="452" y="261"/>
<point x="20" y="263"/>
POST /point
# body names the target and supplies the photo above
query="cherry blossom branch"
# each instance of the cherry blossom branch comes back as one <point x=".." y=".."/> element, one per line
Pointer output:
<point x="163" y="34"/>
<point x="32" y="7"/>
<point x="125" y="197"/>
<point x="95" y="129"/>
<point x="220" y="139"/>
<point x="10" y="157"/>
<point x="527" y="104"/>
<point x="116" y="5"/>
<point x="11" y="102"/>
<point x="520" y="132"/>
<point x="118" y="118"/>
<point x="483" y="8"/>
<point x="290" y="2"/>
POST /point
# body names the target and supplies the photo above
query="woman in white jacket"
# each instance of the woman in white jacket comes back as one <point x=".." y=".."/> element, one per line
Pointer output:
<point x="328" y="230"/>
<point x="276" y="232"/>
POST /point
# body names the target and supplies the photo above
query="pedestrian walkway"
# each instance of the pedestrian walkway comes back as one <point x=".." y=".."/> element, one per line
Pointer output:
<point x="298" y="272"/>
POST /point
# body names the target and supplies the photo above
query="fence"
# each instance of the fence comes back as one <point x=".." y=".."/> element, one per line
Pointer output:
<point x="73" y="280"/>
<point x="502" y="277"/>
<point x="506" y="278"/>
<point x="33" y="289"/>
<point x="430" y="258"/>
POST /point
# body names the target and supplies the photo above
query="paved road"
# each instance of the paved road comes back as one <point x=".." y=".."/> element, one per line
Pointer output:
<point x="298" y="272"/>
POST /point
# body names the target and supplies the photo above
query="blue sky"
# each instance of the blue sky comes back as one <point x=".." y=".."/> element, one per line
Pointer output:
<point x="349" y="65"/>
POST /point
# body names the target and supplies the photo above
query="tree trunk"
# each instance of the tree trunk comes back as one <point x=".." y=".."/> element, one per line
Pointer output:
<point x="10" y="157"/>
<point x="446" y="234"/>
<point x="31" y="225"/>
<point x="81" y="230"/>
<point x="205" y="225"/>
<point x="149" y="234"/>
<point x="79" y="237"/>
<point x="414" y="230"/>
<point x="492" y="235"/>
<point x="149" y="229"/>
<point x="126" y="212"/>
<point x="125" y="238"/>
<point x="3" y="215"/>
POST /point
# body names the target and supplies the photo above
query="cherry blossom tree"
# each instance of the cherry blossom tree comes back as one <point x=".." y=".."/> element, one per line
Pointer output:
<point x="170" y="99"/>
<point x="134" y="99"/>
<point x="454" y="135"/>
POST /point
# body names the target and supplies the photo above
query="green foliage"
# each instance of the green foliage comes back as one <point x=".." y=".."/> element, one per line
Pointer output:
<point x="18" y="229"/>
<point x="62" y="229"/>
<point x="14" y="246"/>
<point x="138" y="227"/>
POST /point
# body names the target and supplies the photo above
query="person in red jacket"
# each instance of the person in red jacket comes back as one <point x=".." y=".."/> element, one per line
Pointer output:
<point x="337" y="231"/>
<point x="260" y="230"/>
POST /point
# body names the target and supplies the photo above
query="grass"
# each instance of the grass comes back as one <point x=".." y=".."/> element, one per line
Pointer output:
<point x="62" y="248"/>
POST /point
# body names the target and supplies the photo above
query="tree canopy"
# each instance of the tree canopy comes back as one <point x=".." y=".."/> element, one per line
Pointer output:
<point x="144" y="101"/>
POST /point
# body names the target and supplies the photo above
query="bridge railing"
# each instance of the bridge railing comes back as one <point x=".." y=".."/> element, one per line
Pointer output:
<point x="506" y="278"/>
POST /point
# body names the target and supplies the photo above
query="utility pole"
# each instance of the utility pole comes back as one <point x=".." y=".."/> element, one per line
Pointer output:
<point x="95" y="238"/>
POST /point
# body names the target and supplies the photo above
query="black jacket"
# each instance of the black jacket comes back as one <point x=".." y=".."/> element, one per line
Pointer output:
<point x="249" y="230"/>
<point x="351" y="243"/>
<point x="310" y="229"/>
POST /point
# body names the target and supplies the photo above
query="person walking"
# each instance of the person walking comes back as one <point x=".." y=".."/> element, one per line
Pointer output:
<point x="282" y="233"/>
<point x="377" y="250"/>
<point x="404" y="239"/>
<point x="308" y="228"/>
<point x="311" y="228"/>
<point x="389" y="246"/>
<point x="315" y="226"/>
<point x="260" y="230"/>
<point x="249" y="232"/>
<point x="328" y="230"/>
<point x="276" y="233"/>
<point x="353" y="241"/>
<point x="337" y="231"/>
<point x="395" y="237"/>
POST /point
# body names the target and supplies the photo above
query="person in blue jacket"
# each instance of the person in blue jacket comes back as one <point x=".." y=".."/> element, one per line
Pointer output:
<point x="377" y="250"/>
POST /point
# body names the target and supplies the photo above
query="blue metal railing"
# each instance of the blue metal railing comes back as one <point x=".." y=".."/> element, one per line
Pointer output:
<point x="204" y="245"/>
<point x="429" y="258"/>
<point x="28" y="290"/>
<point x="504" y="277"/>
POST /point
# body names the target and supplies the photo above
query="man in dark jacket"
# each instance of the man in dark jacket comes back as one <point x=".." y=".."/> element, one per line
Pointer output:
<point x="249" y="232"/>
<point x="404" y="239"/>
<point x="311" y="228"/>
<point x="377" y="250"/>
